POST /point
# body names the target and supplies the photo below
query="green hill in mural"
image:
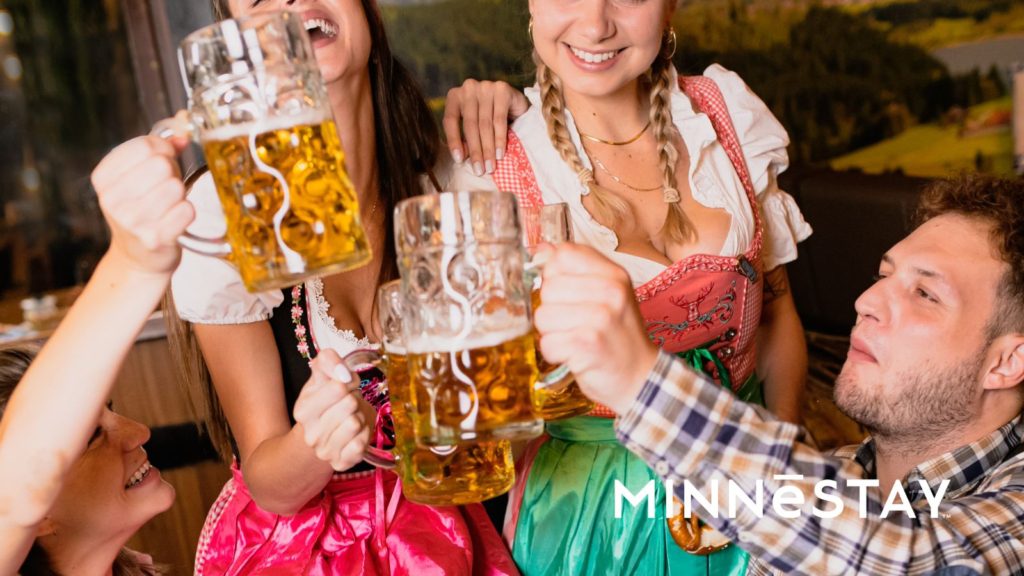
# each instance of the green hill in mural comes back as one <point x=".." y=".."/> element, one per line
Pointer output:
<point x="982" y="139"/>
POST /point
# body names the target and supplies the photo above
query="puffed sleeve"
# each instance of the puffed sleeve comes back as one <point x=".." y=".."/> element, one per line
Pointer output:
<point x="764" y="142"/>
<point x="209" y="290"/>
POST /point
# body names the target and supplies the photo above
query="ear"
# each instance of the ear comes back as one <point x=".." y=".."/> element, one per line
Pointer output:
<point x="1005" y="363"/>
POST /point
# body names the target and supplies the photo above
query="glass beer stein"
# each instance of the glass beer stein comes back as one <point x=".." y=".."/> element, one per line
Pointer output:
<point x="557" y="396"/>
<point x="437" y="476"/>
<point x="259" y="109"/>
<point x="467" y="325"/>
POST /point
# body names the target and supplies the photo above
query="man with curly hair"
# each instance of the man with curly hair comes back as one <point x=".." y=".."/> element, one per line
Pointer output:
<point x="934" y="372"/>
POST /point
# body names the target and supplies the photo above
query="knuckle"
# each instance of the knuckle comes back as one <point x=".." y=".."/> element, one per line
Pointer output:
<point x="360" y="442"/>
<point x="159" y="167"/>
<point x="322" y="452"/>
<point x="349" y="404"/>
<point x="176" y="188"/>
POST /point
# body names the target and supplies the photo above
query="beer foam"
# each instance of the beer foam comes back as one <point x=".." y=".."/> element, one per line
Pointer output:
<point x="395" y="349"/>
<point x="426" y="344"/>
<point x="230" y="131"/>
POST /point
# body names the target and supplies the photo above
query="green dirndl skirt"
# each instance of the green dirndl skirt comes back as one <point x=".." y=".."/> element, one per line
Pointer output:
<point x="566" y="521"/>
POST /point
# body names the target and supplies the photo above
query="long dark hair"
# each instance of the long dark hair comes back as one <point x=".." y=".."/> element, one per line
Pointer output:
<point x="408" y="147"/>
<point x="14" y="362"/>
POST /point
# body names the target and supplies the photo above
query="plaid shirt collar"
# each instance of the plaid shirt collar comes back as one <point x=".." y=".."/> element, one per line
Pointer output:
<point x="964" y="467"/>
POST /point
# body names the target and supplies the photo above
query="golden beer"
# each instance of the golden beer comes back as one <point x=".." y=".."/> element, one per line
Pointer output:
<point x="288" y="201"/>
<point x="443" y="476"/>
<point x="475" y="391"/>
<point x="561" y="399"/>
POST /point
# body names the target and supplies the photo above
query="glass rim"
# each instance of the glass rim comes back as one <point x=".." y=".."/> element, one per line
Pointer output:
<point x="463" y="232"/>
<point x="435" y="197"/>
<point x="201" y="35"/>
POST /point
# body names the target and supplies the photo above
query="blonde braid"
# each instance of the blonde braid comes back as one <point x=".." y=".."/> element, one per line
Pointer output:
<point x="607" y="206"/>
<point x="678" y="227"/>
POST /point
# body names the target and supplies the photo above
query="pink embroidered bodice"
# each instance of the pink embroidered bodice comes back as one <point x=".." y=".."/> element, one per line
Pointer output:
<point x="702" y="301"/>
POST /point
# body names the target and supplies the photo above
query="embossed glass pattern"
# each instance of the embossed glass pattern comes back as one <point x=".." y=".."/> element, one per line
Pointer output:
<point x="467" y="328"/>
<point x="260" y="109"/>
<point x="438" y="475"/>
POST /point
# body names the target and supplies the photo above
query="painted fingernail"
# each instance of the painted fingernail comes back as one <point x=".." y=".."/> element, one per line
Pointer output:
<point x="457" y="156"/>
<point x="490" y="166"/>
<point x="478" y="169"/>
<point x="499" y="153"/>
<point x="341" y="373"/>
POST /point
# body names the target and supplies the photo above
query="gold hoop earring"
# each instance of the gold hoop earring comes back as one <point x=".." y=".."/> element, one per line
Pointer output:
<point x="529" y="28"/>
<point x="670" y="40"/>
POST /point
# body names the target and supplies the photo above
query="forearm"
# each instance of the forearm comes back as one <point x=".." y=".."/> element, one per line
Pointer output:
<point x="283" y="473"/>
<point x="53" y="411"/>
<point x="782" y="356"/>
<point x="691" y="430"/>
<point x="15" y="542"/>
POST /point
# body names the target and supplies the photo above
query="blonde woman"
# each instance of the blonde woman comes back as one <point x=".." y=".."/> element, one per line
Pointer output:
<point x="675" y="180"/>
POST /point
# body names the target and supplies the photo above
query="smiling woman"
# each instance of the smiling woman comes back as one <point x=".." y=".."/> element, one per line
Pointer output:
<point x="108" y="494"/>
<point x="300" y="500"/>
<point x="75" y="483"/>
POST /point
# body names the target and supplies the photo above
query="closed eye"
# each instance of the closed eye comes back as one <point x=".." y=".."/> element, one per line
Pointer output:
<point x="926" y="295"/>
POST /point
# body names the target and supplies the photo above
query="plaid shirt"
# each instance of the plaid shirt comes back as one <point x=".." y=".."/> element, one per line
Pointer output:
<point x="686" y="427"/>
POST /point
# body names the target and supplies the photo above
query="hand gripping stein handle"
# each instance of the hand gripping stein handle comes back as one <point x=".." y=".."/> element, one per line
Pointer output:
<point x="378" y="457"/>
<point x="180" y="125"/>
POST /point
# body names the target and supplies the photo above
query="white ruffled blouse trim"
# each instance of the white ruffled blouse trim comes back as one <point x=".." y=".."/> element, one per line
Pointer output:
<point x="325" y="331"/>
<point x="713" y="181"/>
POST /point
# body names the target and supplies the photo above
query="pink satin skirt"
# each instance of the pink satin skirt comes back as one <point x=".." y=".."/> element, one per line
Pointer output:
<point x="360" y="524"/>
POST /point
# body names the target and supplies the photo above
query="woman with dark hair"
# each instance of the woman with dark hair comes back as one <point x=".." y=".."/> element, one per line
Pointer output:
<point x="75" y="483"/>
<point x="299" y="500"/>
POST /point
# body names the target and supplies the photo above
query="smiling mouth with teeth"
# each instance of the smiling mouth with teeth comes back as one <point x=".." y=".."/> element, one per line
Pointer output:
<point x="320" y="28"/>
<point x="594" y="57"/>
<point x="139" y="475"/>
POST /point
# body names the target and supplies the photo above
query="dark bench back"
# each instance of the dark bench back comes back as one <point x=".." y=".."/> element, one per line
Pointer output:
<point x="856" y="218"/>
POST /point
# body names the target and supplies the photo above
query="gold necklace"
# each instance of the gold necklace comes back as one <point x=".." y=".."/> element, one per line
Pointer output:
<point x="622" y="143"/>
<point x="597" y="162"/>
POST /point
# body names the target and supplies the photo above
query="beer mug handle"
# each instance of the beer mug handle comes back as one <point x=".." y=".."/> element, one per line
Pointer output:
<point x="180" y="125"/>
<point x="555" y="381"/>
<point x="378" y="457"/>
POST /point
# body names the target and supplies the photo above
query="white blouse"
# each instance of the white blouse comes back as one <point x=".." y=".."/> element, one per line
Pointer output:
<point x="208" y="290"/>
<point x="712" y="178"/>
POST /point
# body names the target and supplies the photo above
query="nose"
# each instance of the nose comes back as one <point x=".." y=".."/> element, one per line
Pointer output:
<point x="870" y="305"/>
<point x="131" y="434"/>
<point x="596" y="21"/>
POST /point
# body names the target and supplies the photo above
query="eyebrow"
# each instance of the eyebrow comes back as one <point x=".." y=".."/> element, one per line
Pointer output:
<point x="932" y="274"/>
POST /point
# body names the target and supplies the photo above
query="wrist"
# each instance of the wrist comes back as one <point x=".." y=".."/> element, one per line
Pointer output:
<point x="643" y="367"/>
<point x="127" y="268"/>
